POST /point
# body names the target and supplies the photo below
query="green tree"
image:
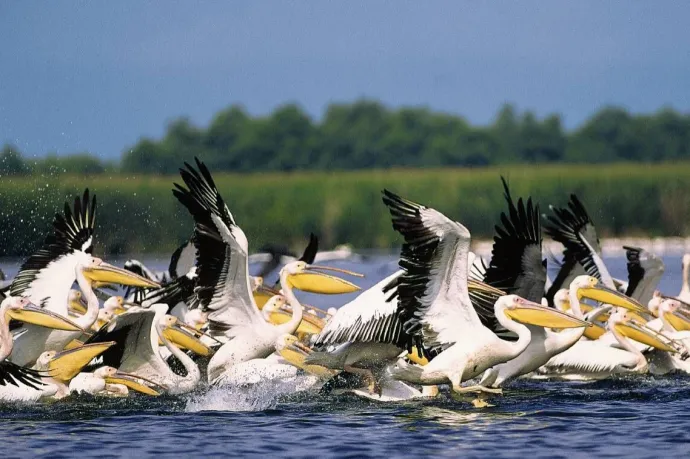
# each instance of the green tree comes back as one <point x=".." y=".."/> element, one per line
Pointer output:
<point x="11" y="161"/>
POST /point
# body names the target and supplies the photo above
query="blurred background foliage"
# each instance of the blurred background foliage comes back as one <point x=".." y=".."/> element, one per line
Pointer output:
<point x="366" y="134"/>
<point x="284" y="175"/>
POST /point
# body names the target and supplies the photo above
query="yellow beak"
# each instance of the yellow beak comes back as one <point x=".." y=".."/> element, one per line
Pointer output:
<point x="310" y="324"/>
<point x="182" y="338"/>
<point x="42" y="317"/>
<point x="296" y="352"/>
<point x="77" y="306"/>
<point x="109" y="274"/>
<point x="67" y="364"/>
<point x="75" y="343"/>
<point x="136" y="383"/>
<point x="604" y="294"/>
<point x="311" y="280"/>
<point x="536" y="314"/>
<point x="263" y="294"/>
<point x="678" y="320"/>
<point x="595" y="331"/>
<point x="645" y="335"/>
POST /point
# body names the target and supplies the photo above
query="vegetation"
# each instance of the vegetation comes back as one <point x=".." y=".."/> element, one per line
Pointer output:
<point x="366" y="134"/>
<point x="139" y="214"/>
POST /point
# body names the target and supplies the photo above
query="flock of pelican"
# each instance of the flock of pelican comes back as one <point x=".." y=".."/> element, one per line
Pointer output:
<point x="447" y="320"/>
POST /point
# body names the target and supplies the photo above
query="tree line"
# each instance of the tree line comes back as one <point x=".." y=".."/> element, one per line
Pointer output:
<point x="366" y="134"/>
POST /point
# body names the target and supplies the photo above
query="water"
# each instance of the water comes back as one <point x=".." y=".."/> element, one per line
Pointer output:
<point x="639" y="417"/>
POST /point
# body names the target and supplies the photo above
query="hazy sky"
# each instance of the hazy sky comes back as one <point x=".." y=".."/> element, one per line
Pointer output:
<point x="99" y="75"/>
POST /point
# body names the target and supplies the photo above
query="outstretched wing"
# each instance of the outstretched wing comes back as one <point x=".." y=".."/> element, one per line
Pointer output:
<point x="573" y="228"/>
<point x="433" y="301"/>
<point x="644" y="273"/>
<point x="72" y="235"/>
<point x="371" y="317"/>
<point x="516" y="264"/>
<point x="182" y="260"/>
<point x="222" y="251"/>
<point x="131" y="333"/>
<point x="13" y="374"/>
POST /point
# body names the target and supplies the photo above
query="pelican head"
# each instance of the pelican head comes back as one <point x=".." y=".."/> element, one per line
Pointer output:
<point x="115" y="304"/>
<point x="590" y="287"/>
<point x="182" y="335"/>
<point x="43" y="361"/>
<point x="274" y="304"/>
<point x="292" y="350"/>
<point x="674" y="313"/>
<point x="104" y="317"/>
<point x="22" y="310"/>
<point x="624" y="323"/>
<point x="527" y="312"/>
<point x="112" y="376"/>
<point x="99" y="272"/>
<point x="105" y="372"/>
<point x="310" y="278"/>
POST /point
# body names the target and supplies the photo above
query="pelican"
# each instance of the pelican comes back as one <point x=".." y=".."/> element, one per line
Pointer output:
<point x="363" y="336"/>
<point x="46" y="278"/>
<point x="19" y="383"/>
<point x="674" y="321"/>
<point x="435" y="303"/>
<point x="288" y="365"/>
<point x="517" y="267"/>
<point x="88" y="270"/>
<point x="137" y="333"/>
<point x="250" y="335"/>
<point x="597" y="360"/>
<point x="223" y="284"/>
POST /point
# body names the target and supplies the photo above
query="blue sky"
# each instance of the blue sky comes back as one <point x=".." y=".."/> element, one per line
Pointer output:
<point x="98" y="75"/>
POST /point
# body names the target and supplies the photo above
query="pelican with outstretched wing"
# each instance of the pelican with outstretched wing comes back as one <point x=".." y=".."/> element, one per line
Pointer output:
<point x="435" y="305"/>
<point x="223" y="285"/>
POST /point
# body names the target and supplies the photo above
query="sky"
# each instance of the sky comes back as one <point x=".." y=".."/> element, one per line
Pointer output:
<point x="98" y="75"/>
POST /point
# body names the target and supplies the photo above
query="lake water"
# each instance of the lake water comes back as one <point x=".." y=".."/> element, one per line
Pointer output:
<point x="637" y="417"/>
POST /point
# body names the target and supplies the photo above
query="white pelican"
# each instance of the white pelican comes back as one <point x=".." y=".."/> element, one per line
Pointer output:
<point x="597" y="360"/>
<point x="517" y="267"/>
<point x="223" y="277"/>
<point x="19" y="383"/>
<point x="88" y="270"/>
<point x="288" y="366"/>
<point x="435" y="303"/>
<point x="46" y="278"/>
<point x="363" y="336"/>
<point x="136" y="353"/>
<point x="674" y="322"/>
<point x="251" y="336"/>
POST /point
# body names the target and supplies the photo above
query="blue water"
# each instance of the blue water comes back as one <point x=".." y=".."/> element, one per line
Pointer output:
<point x="639" y="417"/>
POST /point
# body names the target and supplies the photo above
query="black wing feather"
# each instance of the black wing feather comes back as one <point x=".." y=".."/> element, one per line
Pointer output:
<point x="72" y="232"/>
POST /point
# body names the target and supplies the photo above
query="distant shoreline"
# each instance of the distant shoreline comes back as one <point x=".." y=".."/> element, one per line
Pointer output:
<point x="611" y="247"/>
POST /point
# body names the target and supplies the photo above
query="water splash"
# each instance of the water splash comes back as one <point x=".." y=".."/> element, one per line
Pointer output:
<point x="261" y="396"/>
